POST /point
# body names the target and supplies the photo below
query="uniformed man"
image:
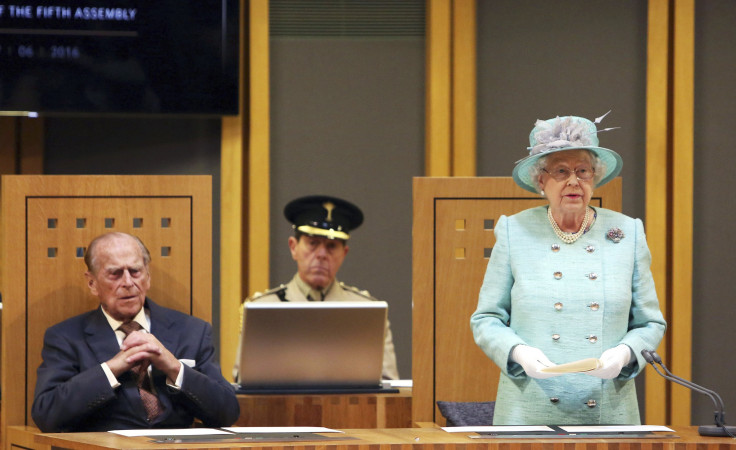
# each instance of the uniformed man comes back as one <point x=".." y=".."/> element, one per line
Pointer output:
<point x="321" y="230"/>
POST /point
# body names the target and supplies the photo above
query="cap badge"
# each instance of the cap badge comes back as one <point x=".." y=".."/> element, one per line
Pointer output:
<point x="329" y="206"/>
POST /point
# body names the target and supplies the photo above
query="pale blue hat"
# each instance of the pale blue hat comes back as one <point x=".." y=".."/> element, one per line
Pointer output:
<point x="565" y="133"/>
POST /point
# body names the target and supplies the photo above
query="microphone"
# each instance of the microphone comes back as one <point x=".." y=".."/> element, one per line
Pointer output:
<point x="720" y="428"/>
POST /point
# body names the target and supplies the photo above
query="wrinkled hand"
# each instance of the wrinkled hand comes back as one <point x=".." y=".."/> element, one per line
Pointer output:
<point x="532" y="360"/>
<point x="143" y="348"/>
<point x="613" y="360"/>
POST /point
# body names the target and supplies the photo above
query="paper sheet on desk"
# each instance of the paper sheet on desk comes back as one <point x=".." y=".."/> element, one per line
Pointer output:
<point x="169" y="432"/>
<point x="398" y="383"/>
<point x="581" y="365"/>
<point x="496" y="428"/>
<point x="281" y="430"/>
<point x="613" y="428"/>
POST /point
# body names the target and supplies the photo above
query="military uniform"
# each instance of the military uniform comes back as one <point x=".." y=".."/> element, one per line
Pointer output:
<point x="330" y="218"/>
<point x="295" y="291"/>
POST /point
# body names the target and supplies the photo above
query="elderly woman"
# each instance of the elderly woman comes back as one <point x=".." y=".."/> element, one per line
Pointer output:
<point x="567" y="282"/>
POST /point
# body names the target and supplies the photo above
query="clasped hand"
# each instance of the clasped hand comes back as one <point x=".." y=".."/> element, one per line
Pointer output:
<point x="140" y="347"/>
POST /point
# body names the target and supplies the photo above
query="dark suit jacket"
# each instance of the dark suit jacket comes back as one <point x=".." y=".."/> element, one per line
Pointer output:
<point x="73" y="393"/>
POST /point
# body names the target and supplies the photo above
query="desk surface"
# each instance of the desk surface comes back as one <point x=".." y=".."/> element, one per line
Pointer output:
<point x="415" y="438"/>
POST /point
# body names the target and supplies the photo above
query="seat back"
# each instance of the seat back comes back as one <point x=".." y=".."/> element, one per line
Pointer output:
<point x="47" y="222"/>
<point x="452" y="241"/>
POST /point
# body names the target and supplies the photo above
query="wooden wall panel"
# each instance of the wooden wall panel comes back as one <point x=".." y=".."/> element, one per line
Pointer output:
<point x="246" y="177"/>
<point x="657" y="194"/>
<point x="682" y="130"/>
<point x="438" y="132"/>
<point x="464" y="98"/>
<point x="450" y="129"/>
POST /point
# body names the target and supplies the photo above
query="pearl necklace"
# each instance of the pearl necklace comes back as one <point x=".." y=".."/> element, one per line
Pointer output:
<point x="569" y="238"/>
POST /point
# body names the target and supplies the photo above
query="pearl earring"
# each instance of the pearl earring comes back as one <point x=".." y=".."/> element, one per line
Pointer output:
<point x="542" y="192"/>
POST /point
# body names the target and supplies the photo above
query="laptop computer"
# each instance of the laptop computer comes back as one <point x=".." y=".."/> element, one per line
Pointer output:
<point x="312" y="345"/>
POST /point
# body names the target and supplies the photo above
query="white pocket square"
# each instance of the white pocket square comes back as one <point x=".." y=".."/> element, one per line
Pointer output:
<point x="188" y="362"/>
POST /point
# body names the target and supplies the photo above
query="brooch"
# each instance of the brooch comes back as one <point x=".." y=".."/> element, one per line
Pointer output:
<point x="615" y="234"/>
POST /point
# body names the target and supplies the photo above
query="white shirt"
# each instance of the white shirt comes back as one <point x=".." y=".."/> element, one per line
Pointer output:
<point x="145" y="322"/>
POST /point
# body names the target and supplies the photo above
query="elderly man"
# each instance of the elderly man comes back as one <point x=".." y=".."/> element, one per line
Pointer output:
<point x="322" y="225"/>
<point x="129" y="363"/>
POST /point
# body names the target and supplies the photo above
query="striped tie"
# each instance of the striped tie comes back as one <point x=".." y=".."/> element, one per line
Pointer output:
<point x="150" y="401"/>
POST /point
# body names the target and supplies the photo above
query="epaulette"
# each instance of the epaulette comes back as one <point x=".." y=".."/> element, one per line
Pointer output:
<point x="280" y="291"/>
<point x="355" y="290"/>
<point x="276" y="290"/>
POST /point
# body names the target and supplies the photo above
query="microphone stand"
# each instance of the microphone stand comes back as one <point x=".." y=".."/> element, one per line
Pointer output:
<point x="720" y="428"/>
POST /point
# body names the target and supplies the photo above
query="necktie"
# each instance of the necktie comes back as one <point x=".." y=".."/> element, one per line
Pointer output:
<point x="150" y="400"/>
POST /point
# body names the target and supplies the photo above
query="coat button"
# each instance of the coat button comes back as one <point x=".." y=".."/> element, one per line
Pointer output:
<point x="558" y="275"/>
<point x="589" y="249"/>
<point x="558" y="306"/>
<point x="594" y="306"/>
<point x="593" y="338"/>
<point x="554" y="399"/>
<point x="593" y="276"/>
<point x="555" y="247"/>
<point x="591" y="403"/>
<point x="555" y="337"/>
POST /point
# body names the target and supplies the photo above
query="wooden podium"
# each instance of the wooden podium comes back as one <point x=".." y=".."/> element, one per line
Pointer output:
<point x="338" y="411"/>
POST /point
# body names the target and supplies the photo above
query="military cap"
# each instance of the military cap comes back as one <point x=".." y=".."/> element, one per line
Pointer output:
<point x="321" y="215"/>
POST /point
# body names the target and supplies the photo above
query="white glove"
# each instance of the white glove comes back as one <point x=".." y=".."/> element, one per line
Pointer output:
<point x="532" y="360"/>
<point x="613" y="360"/>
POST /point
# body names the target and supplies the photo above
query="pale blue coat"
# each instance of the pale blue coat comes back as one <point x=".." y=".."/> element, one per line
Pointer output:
<point x="535" y="295"/>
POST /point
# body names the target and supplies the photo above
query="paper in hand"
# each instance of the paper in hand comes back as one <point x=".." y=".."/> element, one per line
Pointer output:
<point x="581" y="365"/>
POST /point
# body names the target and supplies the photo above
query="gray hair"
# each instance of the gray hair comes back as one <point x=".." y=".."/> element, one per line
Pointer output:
<point x="599" y="167"/>
<point x="90" y="256"/>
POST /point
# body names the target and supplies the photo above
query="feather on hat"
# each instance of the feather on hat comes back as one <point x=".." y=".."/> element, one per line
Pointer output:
<point x="561" y="134"/>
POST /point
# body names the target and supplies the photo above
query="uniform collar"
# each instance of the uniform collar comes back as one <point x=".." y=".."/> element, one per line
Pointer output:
<point x="309" y="292"/>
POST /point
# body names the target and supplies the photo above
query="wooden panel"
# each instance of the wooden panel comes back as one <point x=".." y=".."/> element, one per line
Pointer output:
<point x="331" y="411"/>
<point x="451" y="88"/>
<point x="245" y="162"/>
<point x="464" y="98"/>
<point x="438" y="133"/>
<point x="656" y="187"/>
<point x="259" y="166"/>
<point x="43" y="279"/>
<point x="451" y="232"/>
<point x="231" y="238"/>
<point x="680" y="329"/>
<point x="427" y="438"/>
